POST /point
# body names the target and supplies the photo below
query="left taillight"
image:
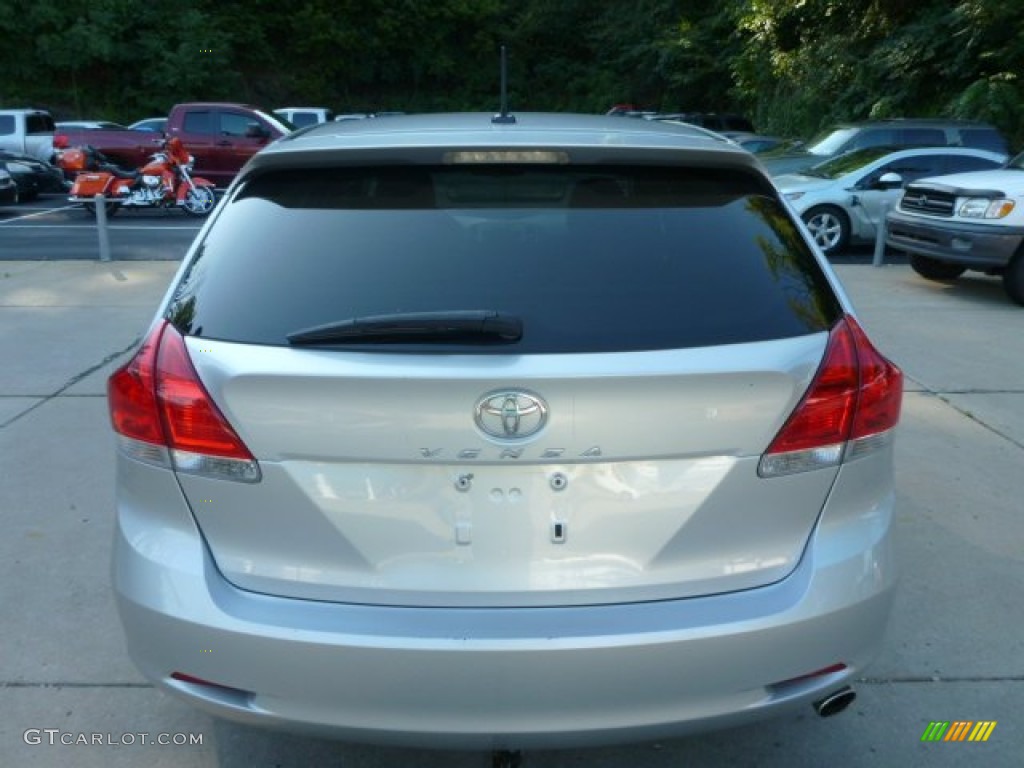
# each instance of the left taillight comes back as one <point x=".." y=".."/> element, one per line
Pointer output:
<point x="164" y="415"/>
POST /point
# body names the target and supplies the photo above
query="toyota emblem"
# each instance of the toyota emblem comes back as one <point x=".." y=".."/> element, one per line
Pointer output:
<point x="511" y="414"/>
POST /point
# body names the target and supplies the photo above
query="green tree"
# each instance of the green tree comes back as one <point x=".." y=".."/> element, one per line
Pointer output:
<point x="792" y="65"/>
<point x="808" y="63"/>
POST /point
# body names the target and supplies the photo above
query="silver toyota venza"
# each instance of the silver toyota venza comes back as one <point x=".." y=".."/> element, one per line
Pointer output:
<point x="544" y="430"/>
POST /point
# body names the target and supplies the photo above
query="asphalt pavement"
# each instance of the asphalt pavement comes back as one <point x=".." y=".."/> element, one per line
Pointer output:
<point x="51" y="229"/>
<point x="954" y="652"/>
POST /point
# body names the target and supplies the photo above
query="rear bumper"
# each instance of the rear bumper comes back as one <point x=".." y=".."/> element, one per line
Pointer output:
<point x="976" y="246"/>
<point x="497" y="678"/>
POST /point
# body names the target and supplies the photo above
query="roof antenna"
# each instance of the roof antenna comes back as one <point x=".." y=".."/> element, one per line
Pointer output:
<point x="503" y="117"/>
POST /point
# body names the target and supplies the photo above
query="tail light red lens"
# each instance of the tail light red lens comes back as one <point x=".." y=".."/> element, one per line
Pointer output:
<point x="881" y="388"/>
<point x="232" y="696"/>
<point x="131" y="395"/>
<point x="158" y="399"/>
<point x="192" y="421"/>
<point x="855" y="394"/>
<point x="825" y="414"/>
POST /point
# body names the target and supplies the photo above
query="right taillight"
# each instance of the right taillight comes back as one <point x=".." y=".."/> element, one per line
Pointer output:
<point x="165" y="416"/>
<point x="849" y="409"/>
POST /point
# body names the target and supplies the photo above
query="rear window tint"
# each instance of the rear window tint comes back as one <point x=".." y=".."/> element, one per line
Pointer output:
<point x="35" y="123"/>
<point x="983" y="138"/>
<point x="302" y="119"/>
<point x="874" y="137"/>
<point x="924" y="137"/>
<point x="592" y="259"/>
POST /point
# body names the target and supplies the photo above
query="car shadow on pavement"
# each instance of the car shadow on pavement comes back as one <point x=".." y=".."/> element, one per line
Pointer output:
<point x="972" y="287"/>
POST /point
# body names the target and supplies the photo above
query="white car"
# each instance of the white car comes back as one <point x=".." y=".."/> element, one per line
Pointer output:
<point x="843" y="199"/>
<point x="89" y="125"/>
<point x="155" y="124"/>
<point x="300" y="117"/>
<point x="968" y="221"/>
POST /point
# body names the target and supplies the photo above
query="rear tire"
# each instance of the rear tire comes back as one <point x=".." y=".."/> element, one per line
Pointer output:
<point x="933" y="269"/>
<point x="111" y="208"/>
<point x="1013" y="278"/>
<point x="199" y="201"/>
<point x="829" y="227"/>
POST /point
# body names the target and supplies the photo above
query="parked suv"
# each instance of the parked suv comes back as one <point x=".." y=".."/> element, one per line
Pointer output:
<point x="893" y="133"/>
<point x="949" y="224"/>
<point x="541" y="431"/>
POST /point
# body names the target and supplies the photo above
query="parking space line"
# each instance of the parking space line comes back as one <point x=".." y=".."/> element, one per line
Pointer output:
<point x="6" y="222"/>
<point x="93" y="226"/>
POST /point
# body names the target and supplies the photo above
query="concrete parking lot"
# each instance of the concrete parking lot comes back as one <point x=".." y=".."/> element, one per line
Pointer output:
<point x="954" y="652"/>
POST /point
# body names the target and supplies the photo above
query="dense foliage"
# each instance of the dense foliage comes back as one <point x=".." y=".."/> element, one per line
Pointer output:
<point x="792" y="65"/>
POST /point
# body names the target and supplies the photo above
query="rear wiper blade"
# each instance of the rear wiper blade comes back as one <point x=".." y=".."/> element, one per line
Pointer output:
<point x="466" y="325"/>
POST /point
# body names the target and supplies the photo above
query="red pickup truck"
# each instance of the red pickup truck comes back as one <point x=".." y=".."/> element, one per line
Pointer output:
<point x="220" y="136"/>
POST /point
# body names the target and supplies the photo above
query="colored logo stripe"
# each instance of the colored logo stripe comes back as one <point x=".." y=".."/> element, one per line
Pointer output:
<point x="958" y="730"/>
<point x="934" y="731"/>
<point x="982" y="731"/>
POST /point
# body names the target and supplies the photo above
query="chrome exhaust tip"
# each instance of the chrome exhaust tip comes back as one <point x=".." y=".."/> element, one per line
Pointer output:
<point x="835" y="702"/>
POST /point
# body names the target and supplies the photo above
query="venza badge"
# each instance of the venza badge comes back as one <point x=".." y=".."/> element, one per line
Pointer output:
<point x="511" y="414"/>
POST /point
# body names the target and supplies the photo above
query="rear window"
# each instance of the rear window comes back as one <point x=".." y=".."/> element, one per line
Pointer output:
<point x="39" y="123"/>
<point x="302" y="119"/>
<point x="984" y="138"/>
<point x="924" y="137"/>
<point x="591" y="259"/>
<point x="874" y="137"/>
